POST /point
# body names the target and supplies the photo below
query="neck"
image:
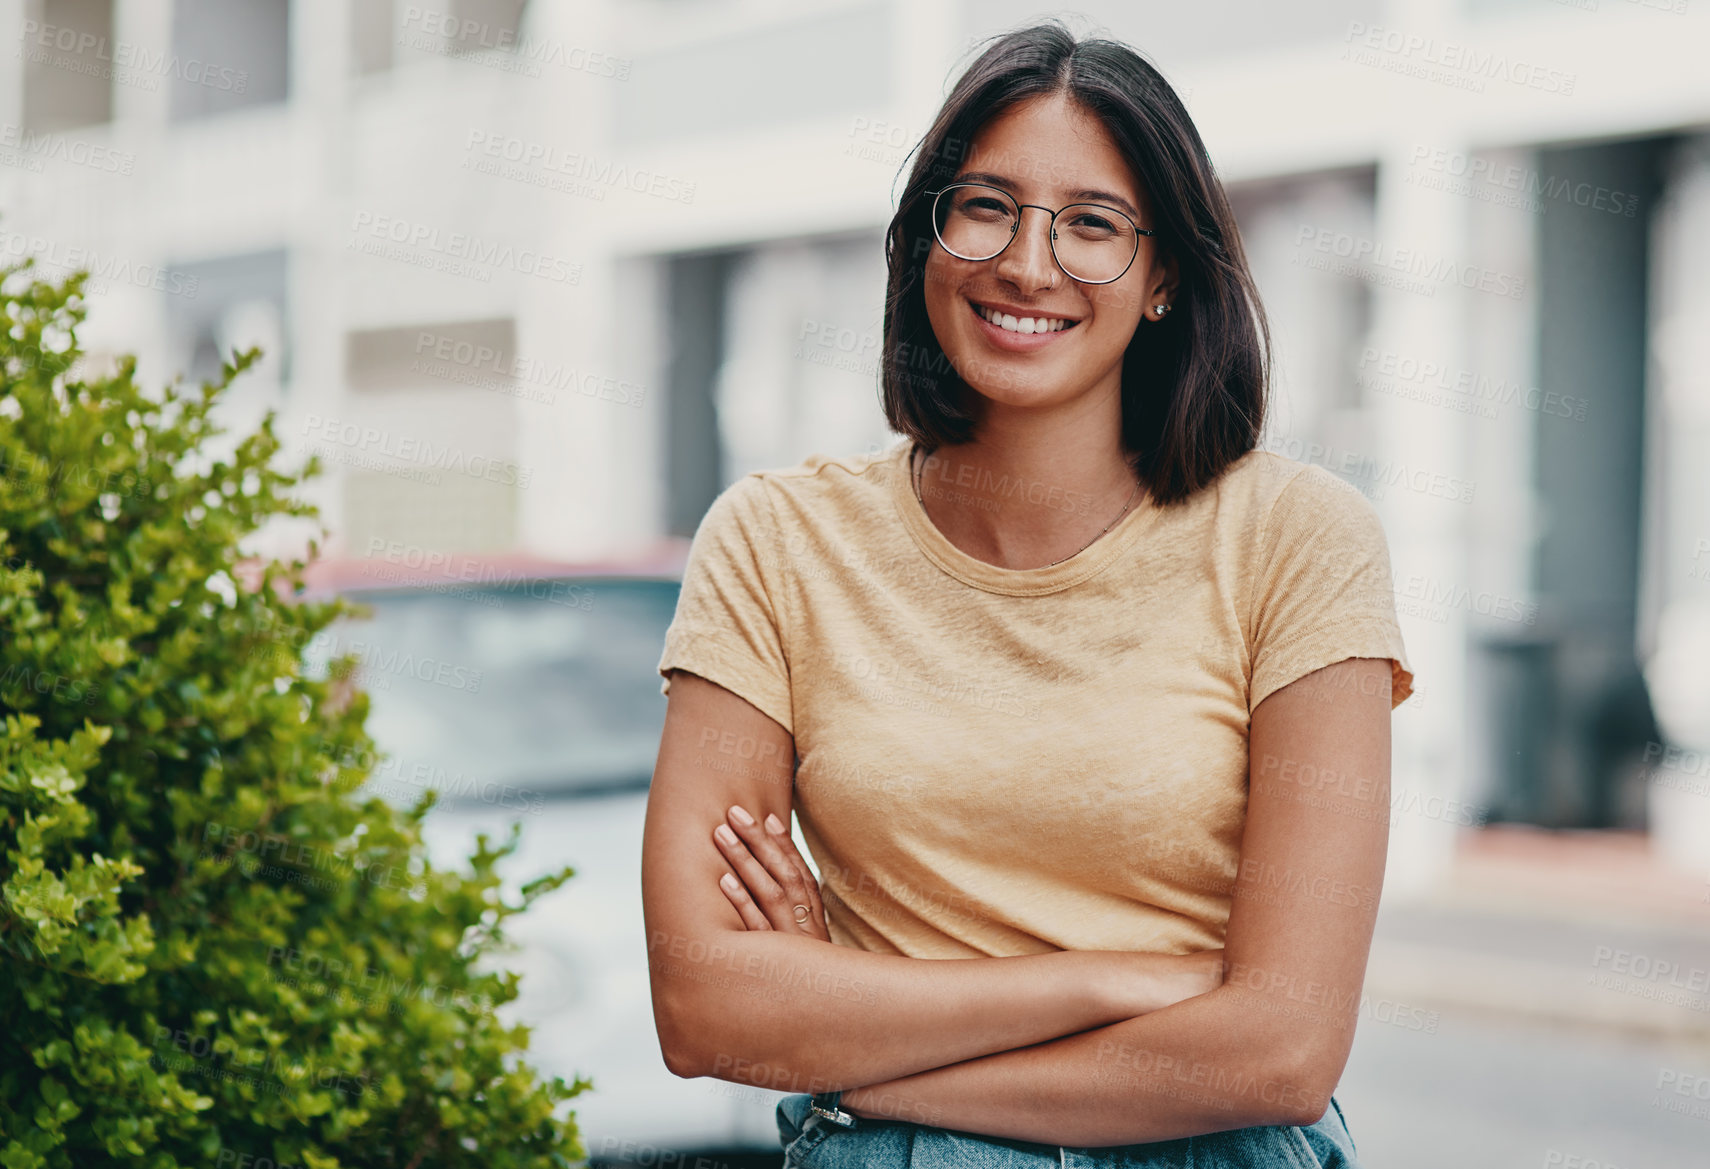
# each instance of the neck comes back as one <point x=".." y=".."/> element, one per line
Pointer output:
<point x="1028" y="492"/>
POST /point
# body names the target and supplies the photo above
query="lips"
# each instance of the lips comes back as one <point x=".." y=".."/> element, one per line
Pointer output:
<point x="1013" y="339"/>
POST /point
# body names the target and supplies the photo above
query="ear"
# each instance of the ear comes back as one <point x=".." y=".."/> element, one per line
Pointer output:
<point x="1166" y="276"/>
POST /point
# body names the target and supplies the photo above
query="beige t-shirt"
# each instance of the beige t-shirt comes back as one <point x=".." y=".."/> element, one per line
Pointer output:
<point x="1001" y="761"/>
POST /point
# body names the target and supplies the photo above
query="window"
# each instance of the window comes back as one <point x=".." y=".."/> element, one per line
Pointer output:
<point x="68" y="63"/>
<point x="228" y="55"/>
<point x="425" y="439"/>
<point x="239" y="302"/>
<point x="443" y="353"/>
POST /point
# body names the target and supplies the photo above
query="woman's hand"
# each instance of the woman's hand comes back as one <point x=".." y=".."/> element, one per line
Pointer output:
<point x="771" y="885"/>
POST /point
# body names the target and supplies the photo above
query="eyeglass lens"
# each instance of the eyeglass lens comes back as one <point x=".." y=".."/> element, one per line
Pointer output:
<point x="1093" y="243"/>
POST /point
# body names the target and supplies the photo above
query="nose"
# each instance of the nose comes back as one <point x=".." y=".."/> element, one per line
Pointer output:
<point x="1028" y="262"/>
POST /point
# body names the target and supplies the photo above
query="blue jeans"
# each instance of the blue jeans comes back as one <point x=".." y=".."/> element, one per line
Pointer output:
<point x="812" y="1142"/>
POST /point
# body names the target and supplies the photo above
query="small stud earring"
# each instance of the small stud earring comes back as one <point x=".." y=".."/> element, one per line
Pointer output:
<point x="1161" y="309"/>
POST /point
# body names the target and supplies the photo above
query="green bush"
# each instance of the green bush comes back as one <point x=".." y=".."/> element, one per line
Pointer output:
<point x="211" y="953"/>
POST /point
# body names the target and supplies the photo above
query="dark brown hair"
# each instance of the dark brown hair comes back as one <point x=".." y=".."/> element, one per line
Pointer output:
<point x="1194" y="383"/>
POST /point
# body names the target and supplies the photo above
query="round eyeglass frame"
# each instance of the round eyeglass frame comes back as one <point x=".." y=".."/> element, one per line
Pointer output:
<point x="1015" y="230"/>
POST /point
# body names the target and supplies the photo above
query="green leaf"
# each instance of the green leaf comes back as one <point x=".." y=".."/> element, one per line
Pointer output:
<point x="166" y="764"/>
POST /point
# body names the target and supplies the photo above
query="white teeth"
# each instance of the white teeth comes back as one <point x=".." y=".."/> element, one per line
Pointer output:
<point x="1011" y="324"/>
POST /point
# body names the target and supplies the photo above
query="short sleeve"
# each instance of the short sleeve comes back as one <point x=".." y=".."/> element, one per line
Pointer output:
<point x="727" y="625"/>
<point x="1324" y="591"/>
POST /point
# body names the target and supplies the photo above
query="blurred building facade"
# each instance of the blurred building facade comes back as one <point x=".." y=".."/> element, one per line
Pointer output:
<point x="548" y="276"/>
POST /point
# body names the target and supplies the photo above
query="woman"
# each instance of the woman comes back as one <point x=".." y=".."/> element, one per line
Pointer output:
<point x="1075" y="686"/>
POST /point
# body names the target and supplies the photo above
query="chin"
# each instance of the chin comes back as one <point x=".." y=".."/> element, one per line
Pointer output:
<point x="1028" y="387"/>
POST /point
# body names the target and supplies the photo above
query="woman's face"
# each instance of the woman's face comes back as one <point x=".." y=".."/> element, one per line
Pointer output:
<point x="1050" y="152"/>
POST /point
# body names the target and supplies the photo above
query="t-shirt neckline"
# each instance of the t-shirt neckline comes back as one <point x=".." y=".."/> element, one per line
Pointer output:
<point x="1015" y="582"/>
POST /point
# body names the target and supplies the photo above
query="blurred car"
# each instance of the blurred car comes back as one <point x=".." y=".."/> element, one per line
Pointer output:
<point x="525" y="690"/>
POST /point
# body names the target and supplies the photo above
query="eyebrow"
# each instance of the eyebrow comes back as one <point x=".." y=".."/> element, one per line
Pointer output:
<point x="1082" y="195"/>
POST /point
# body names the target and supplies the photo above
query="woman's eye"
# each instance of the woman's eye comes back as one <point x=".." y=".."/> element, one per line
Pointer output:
<point x="1097" y="223"/>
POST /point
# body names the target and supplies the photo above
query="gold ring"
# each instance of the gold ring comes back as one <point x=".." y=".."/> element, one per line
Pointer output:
<point x="803" y="913"/>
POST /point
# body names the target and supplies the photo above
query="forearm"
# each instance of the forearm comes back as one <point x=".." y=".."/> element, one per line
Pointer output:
<point x="1214" y="1062"/>
<point x="798" y="1014"/>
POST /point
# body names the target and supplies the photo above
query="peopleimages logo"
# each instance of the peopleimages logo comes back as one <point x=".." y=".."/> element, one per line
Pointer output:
<point x="1464" y="66"/>
<point x="1434" y="598"/>
<point x="298" y="861"/>
<point x="327" y="969"/>
<point x="541" y="163"/>
<point x="1677" y="767"/>
<point x="439" y="31"/>
<point x="1462" y="174"/>
<point x="457" y="252"/>
<point x="123" y="57"/>
<point x="37" y="147"/>
<point x="1382" y="370"/>
<point x="455" y="359"/>
<point x="1381" y="258"/>
<point x="65" y="689"/>
<point x="409" y="449"/>
<point x="104" y="269"/>
<point x="385" y="663"/>
<point x="1649" y="977"/>
<point x="1366" y="469"/>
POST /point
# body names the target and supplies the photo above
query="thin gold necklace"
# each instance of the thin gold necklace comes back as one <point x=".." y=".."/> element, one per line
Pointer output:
<point x="914" y="477"/>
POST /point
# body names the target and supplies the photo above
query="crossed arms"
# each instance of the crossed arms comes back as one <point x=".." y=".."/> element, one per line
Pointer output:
<point x="1081" y="1048"/>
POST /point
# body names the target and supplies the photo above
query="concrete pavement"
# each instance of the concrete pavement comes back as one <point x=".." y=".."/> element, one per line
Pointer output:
<point x="1578" y="929"/>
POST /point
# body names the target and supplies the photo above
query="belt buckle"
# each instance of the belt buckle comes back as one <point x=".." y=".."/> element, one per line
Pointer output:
<point x="834" y="1114"/>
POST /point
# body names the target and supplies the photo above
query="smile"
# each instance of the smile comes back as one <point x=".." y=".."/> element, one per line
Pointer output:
<point x="1023" y="325"/>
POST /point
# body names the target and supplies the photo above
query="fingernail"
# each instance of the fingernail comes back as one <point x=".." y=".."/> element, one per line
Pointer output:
<point x="774" y="825"/>
<point x="728" y="881"/>
<point x="724" y="833"/>
<point x="740" y="815"/>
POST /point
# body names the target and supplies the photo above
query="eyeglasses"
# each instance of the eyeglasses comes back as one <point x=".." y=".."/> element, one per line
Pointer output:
<point x="1097" y="243"/>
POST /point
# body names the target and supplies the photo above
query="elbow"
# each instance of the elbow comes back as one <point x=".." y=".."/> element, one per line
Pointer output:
<point x="678" y="1050"/>
<point x="680" y="1062"/>
<point x="1300" y="1082"/>
<point x="1306" y="1109"/>
<point x="679" y="1031"/>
